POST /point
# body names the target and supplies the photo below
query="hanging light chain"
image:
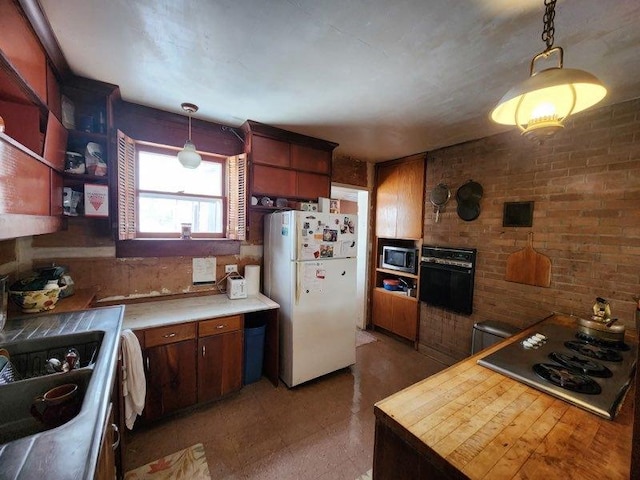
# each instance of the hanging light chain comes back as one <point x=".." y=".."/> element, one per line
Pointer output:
<point x="549" y="29"/>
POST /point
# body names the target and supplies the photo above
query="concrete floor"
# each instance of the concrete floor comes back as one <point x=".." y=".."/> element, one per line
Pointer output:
<point x="323" y="429"/>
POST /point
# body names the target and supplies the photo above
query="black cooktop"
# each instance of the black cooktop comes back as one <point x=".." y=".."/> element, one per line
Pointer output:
<point x="558" y="361"/>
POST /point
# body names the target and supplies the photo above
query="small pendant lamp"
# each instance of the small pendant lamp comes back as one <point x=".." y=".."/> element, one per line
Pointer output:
<point x="188" y="156"/>
<point x="540" y="104"/>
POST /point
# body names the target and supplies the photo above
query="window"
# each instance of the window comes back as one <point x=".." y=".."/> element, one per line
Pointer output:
<point x="168" y="195"/>
<point x="156" y="194"/>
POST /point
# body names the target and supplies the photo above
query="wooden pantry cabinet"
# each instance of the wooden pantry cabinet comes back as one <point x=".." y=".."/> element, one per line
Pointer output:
<point x="399" y="222"/>
<point x="400" y="197"/>
<point x="191" y="363"/>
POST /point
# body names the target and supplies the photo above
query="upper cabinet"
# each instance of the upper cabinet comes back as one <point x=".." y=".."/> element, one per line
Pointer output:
<point x="33" y="142"/>
<point x="287" y="165"/>
<point x="400" y="197"/>
<point x="87" y="113"/>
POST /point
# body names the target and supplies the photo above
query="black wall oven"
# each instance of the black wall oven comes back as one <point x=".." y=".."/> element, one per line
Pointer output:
<point x="447" y="277"/>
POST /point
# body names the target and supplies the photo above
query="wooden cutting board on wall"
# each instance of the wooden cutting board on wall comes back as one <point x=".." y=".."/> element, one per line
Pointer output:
<point x="528" y="266"/>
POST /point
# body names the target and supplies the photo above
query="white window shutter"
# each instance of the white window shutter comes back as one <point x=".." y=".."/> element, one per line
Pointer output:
<point x="126" y="187"/>
<point x="237" y="197"/>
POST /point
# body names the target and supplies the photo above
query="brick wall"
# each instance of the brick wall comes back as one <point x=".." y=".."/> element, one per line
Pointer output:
<point x="585" y="183"/>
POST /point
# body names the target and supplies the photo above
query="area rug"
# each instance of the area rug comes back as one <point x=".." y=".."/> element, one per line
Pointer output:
<point x="363" y="337"/>
<point x="186" y="464"/>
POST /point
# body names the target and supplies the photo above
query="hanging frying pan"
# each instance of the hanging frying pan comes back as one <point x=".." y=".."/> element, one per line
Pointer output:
<point x="439" y="197"/>
<point x="469" y="192"/>
<point x="468" y="211"/>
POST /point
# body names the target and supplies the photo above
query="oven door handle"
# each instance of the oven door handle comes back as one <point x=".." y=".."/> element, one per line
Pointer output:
<point x="448" y="268"/>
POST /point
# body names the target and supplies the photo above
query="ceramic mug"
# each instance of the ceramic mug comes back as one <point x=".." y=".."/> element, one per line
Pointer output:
<point x="56" y="406"/>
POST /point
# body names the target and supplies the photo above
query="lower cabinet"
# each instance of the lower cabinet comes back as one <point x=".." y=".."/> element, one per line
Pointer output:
<point x="106" y="468"/>
<point x="191" y="363"/>
<point x="171" y="378"/>
<point x="396" y="313"/>
<point x="220" y="357"/>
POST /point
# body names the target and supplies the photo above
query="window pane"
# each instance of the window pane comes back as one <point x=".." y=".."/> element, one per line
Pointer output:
<point x="165" y="174"/>
<point x="163" y="213"/>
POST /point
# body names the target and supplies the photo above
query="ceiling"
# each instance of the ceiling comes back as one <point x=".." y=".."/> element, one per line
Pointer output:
<point x="383" y="79"/>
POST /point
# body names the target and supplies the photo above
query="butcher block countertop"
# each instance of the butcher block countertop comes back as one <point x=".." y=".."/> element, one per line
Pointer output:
<point x="471" y="422"/>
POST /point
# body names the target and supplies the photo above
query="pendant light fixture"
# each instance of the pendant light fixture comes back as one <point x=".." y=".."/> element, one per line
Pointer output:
<point x="540" y="105"/>
<point x="188" y="156"/>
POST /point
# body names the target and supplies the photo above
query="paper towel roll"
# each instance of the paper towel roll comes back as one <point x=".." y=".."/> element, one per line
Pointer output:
<point x="252" y="276"/>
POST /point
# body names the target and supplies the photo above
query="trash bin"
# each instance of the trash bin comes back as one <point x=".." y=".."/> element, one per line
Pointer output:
<point x="489" y="332"/>
<point x="254" y="331"/>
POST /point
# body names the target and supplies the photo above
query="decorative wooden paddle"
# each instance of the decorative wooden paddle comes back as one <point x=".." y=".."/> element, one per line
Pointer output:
<point x="528" y="266"/>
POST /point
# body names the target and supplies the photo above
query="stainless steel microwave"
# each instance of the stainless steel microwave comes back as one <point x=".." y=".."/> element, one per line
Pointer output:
<point x="399" y="258"/>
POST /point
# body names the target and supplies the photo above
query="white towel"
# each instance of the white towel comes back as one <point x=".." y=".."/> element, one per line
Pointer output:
<point x="134" y="386"/>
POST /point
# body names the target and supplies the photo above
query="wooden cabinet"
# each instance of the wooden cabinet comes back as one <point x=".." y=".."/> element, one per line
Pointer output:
<point x="21" y="48"/>
<point x="395" y="312"/>
<point x="89" y="128"/>
<point x="106" y="468"/>
<point x="170" y="364"/>
<point x="268" y="151"/>
<point x="400" y="198"/>
<point x="191" y="363"/>
<point x="286" y="164"/>
<point x="220" y="357"/>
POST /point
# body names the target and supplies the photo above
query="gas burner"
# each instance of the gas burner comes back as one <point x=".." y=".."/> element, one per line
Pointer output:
<point x="593" y="351"/>
<point x="581" y="364"/>
<point x="599" y="342"/>
<point x="563" y="377"/>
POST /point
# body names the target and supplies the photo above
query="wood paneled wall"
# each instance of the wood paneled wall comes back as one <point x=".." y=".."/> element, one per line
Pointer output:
<point x="585" y="183"/>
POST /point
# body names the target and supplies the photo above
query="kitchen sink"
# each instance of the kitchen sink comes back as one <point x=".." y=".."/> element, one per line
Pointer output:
<point x="28" y="360"/>
<point x="16" y="420"/>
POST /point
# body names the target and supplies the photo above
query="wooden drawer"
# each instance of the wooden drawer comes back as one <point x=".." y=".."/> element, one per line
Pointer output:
<point x="217" y="326"/>
<point x="170" y="334"/>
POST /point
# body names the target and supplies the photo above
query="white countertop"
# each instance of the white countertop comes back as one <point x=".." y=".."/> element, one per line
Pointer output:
<point x="139" y="316"/>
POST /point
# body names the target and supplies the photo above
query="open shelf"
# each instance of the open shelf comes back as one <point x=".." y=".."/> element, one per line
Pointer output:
<point x="398" y="273"/>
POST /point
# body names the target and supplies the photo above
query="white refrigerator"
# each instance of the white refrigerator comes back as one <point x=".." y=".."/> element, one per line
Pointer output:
<point x="310" y="270"/>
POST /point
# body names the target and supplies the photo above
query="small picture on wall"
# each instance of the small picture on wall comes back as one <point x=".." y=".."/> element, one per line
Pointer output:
<point x="517" y="214"/>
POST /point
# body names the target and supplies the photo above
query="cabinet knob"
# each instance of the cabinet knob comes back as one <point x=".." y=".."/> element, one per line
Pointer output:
<point x="204" y="350"/>
<point x="169" y="335"/>
<point x="220" y="326"/>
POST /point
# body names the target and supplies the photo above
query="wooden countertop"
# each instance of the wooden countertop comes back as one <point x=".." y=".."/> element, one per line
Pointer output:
<point x="472" y="422"/>
<point x="138" y="316"/>
<point x="82" y="299"/>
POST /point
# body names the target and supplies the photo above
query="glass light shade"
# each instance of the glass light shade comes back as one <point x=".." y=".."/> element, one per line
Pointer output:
<point x="544" y="100"/>
<point x="188" y="156"/>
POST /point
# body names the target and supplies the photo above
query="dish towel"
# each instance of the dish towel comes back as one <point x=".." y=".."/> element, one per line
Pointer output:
<point x="134" y="385"/>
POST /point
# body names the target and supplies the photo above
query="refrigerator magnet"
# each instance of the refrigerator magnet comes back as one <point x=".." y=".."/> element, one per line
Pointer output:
<point x="285" y="231"/>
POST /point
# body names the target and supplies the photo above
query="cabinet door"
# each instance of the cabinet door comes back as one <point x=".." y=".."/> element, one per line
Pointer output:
<point x="21" y="47"/>
<point x="310" y="159"/>
<point x="273" y="181"/>
<point x="269" y="152"/>
<point x="219" y="365"/>
<point x="382" y="310"/>
<point x="410" y="202"/>
<point x="106" y="468"/>
<point x="171" y="378"/>
<point x="312" y="185"/>
<point x="405" y="317"/>
<point x="387" y="202"/>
